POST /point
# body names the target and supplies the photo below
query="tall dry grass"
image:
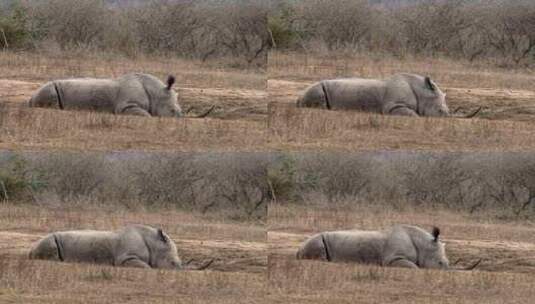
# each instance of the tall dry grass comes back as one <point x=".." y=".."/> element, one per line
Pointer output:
<point x="319" y="129"/>
<point x="447" y="72"/>
<point x="26" y="281"/>
<point x="189" y="73"/>
<point x="318" y="282"/>
<point x="25" y="128"/>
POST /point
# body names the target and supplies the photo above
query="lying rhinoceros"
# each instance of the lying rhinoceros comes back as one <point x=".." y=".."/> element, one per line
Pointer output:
<point x="133" y="246"/>
<point x="402" y="246"/>
<point x="400" y="94"/>
<point x="135" y="94"/>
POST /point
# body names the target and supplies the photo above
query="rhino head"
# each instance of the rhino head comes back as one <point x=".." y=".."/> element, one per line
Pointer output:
<point x="431" y="252"/>
<point x="431" y="100"/>
<point x="164" y="253"/>
<point x="165" y="101"/>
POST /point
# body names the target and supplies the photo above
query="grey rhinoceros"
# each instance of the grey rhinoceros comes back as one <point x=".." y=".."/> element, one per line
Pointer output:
<point x="401" y="94"/>
<point x="134" y="94"/>
<point x="401" y="246"/>
<point x="132" y="246"/>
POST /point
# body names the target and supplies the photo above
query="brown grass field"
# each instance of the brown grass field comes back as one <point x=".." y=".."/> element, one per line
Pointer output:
<point x="237" y="248"/>
<point x="252" y="265"/>
<point x="507" y="250"/>
<point x="243" y="121"/>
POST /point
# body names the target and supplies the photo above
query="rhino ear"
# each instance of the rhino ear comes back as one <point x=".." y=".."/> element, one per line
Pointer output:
<point x="170" y="81"/>
<point x="435" y="233"/>
<point x="162" y="235"/>
<point x="429" y="84"/>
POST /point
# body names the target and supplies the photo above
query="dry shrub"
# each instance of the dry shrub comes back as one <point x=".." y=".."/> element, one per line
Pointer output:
<point x="240" y="185"/>
<point x="497" y="31"/>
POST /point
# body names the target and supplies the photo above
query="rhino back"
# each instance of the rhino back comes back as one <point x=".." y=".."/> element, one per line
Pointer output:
<point x="356" y="246"/>
<point x="355" y="94"/>
<point x="401" y="241"/>
<point x="88" y="246"/>
<point x="89" y="94"/>
<point x="400" y="89"/>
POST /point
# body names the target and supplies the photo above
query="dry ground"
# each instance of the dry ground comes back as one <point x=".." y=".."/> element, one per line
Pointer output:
<point x="503" y="94"/>
<point x="504" y="275"/>
<point x="238" y="249"/>
<point x="242" y="120"/>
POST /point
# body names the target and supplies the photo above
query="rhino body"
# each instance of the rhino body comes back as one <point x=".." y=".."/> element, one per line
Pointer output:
<point x="134" y="94"/>
<point x="401" y="246"/>
<point x="134" y="246"/>
<point x="400" y="94"/>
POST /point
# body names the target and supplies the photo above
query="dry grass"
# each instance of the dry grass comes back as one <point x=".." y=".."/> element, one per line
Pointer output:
<point x="242" y="106"/>
<point x="505" y="274"/>
<point x="503" y="94"/>
<point x="350" y="131"/>
<point x="237" y="274"/>
<point x="189" y="73"/>
<point x="235" y="246"/>
<point x="25" y="128"/>
<point x="23" y="281"/>
<point x="318" y="282"/>
<point x="448" y="73"/>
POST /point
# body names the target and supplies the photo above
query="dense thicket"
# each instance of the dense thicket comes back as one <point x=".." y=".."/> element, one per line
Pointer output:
<point x="502" y="30"/>
<point x="192" y="29"/>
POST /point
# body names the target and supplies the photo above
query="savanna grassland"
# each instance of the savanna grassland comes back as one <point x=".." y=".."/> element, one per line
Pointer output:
<point x="246" y="185"/>
<point x="235" y="240"/>
<point x="236" y="275"/>
<point x="242" y="119"/>
<point x="504" y="124"/>
<point x="249" y="119"/>
<point x="506" y="250"/>
<point x="505" y="244"/>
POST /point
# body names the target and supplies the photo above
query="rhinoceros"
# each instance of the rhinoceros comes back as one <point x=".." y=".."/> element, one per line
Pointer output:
<point x="132" y="246"/>
<point x="401" y="94"/>
<point x="400" y="246"/>
<point x="134" y="94"/>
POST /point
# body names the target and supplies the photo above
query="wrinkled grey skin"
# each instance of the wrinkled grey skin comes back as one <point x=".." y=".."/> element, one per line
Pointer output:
<point x="133" y="94"/>
<point x="400" y="94"/>
<point x="400" y="246"/>
<point x="133" y="246"/>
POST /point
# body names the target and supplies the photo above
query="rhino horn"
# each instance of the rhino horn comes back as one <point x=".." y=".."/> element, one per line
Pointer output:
<point x="473" y="113"/>
<point x="203" y="115"/>
<point x="473" y="266"/>
<point x="200" y="267"/>
<point x="468" y="268"/>
<point x="470" y="115"/>
<point x="170" y="81"/>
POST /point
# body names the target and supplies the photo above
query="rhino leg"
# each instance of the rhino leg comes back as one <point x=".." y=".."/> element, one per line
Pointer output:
<point x="313" y="249"/>
<point x="314" y="97"/>
<point x="46" y="96"/>
<point x="133" y="261"/>
<point x="401" y="262"/>
<point x="402" y="111"/>
<point x="132" y="109"/>
<point x="46" y="249"/>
